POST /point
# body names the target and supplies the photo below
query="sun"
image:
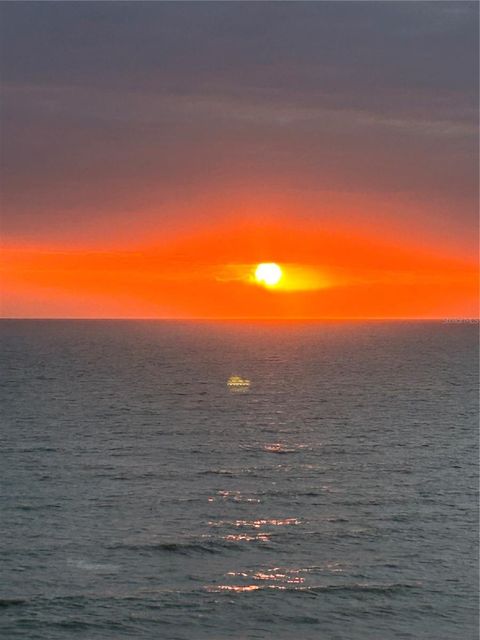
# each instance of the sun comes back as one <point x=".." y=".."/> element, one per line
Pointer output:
<point x="268" y="274"/>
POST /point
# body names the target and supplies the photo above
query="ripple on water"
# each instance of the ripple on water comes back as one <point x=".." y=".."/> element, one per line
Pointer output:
<point x="256" y="524"/>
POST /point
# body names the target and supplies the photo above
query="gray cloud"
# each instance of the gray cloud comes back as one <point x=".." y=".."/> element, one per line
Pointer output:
<point x="105" y="103"/>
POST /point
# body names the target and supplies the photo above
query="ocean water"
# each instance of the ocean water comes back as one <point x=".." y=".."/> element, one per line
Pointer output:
<point x="334" y="498"/>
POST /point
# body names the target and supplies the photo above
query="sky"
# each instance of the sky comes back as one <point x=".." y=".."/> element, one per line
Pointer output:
<point x="152" y="153"/>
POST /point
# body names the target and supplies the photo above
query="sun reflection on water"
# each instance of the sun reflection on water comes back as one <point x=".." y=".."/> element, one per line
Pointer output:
<point x="256" y="524"/>
<point x="235" y="588"/>
<point x="245" y="537"/>
<point x="234" y="496"/>
<point x="272" y="578"/>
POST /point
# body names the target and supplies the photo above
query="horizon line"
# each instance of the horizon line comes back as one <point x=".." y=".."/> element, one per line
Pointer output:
<point x="445" y="319"/>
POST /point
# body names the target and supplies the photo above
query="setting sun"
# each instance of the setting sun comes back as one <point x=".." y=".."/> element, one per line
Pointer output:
<point x="268" y="274"/>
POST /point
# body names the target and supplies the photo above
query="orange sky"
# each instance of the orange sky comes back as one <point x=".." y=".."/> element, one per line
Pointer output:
<point x="207" y="273"/>
<point x="154" y="153"/>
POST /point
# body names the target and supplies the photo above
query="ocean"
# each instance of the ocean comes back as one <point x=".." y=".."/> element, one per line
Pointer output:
<point x="334" y="497"/>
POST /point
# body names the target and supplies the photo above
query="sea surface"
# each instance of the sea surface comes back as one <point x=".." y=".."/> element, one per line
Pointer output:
<point x="335" y="498"/>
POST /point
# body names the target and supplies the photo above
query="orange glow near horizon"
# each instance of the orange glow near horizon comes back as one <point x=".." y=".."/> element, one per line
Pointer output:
<point x="326" y="273"/>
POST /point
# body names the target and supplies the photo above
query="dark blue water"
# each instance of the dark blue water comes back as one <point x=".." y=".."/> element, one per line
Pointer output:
<point x="335" y="498"/>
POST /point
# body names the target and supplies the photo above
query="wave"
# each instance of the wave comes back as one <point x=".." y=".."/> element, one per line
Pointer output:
<point x="218" y="472"/>
<point x="386" y="589"/>
<point x="257" y="471"/>
<point x="11" y="602"/>
<point x="181" y="548"/>
<point x="362" y="587"/>
<point x="32" y="507"/>
<point x="93" y="566"/>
